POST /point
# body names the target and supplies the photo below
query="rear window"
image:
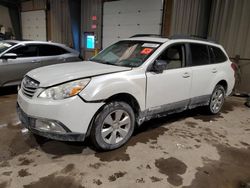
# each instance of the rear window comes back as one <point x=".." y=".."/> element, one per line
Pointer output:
<point x="217" y="55"/>
<point x="199" y="53"/>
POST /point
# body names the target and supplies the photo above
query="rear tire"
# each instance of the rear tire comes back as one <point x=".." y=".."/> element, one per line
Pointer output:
<point x="217" y="100"/>
<point x="113" y="126"/>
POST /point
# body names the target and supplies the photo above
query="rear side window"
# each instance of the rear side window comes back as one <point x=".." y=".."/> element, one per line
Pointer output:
<point x="51" y="50"/>
<point x="199" y="53"/>
<point x="217" y="55"/>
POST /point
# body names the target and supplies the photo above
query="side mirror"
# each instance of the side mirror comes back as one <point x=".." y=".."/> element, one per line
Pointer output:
<point x="9" y="56"/>
<point x="159" y="66"/>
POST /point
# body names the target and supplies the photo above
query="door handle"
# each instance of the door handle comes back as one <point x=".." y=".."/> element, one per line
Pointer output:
<point x="214" y="70"/>
<point x="35" y="61"/>
<point x="186" y="75"/>
<point x="62" y="59"/>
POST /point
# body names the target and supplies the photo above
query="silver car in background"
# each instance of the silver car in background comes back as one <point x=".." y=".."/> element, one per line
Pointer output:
<point x="19" y="57"/>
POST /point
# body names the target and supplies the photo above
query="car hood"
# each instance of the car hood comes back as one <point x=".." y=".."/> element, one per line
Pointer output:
<point x="56" y="74"/>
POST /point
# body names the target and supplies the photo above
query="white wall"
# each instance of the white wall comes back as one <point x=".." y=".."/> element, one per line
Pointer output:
<point x="4" y="17"/>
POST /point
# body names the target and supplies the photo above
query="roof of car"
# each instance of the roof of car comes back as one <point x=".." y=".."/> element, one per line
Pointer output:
<point x="179" y="38"/>
<point x="32" y="42"/>
<point x="23" y="42"/>
<point x="150" y="39"/>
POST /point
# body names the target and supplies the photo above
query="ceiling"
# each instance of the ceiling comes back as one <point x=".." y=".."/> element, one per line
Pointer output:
<point x="10" y="3"/>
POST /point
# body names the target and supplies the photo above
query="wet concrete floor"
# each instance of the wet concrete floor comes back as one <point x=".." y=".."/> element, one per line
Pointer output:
<point x="189" y="149"/>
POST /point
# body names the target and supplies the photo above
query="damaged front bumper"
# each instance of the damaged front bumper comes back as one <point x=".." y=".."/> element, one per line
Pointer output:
<point x="65" y="120"/>
<point x="31" y="124"/>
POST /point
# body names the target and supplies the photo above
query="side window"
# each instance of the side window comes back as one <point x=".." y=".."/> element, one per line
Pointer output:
<point x="174" y="55"/>
<point x="25" y="51"/>
<point x="51" y="50"/>
<point x="199" y="53"/>
<point x="219" y="55"/>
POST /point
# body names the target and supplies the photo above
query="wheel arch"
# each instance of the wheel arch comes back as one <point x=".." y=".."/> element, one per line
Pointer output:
<point x="224" y="84"/>
<point x="129" y="99"/>
<point x="123" y="97"/>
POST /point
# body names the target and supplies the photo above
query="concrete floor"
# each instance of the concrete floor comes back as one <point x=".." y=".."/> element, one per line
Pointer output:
<point x="189" y="149"/>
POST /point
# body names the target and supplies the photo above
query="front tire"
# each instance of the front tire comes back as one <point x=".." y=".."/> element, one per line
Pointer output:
<point x="217" y="100"/>
<point x="113" y="126"/>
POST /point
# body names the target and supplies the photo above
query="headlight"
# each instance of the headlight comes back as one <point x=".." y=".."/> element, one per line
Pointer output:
<point x="64" y="91"/>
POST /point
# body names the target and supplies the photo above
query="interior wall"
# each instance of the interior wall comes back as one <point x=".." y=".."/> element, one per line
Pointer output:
<point x="5" y="17"/>
<point x="60" y="22"/>
<point x="190" y="17"/>
<point x="75" y="18"/>
<point x="225" y="21"/>
<point x="230" y="26"/>
<point x="91" y="8"/>
<point x="33" y="5"/>
<point x="57" y="18"/>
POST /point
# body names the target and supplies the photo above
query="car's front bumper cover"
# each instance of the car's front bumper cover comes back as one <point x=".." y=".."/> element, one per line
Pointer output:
<point x="73" y="115"/>
<point x="29" y="123"/>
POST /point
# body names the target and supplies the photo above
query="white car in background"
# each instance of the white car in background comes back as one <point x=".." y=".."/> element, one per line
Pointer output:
<point x="125" y="84"/>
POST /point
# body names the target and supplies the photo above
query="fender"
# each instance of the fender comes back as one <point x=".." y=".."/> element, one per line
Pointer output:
<point x="225" y="73"/>
<point x="102" y="87"/>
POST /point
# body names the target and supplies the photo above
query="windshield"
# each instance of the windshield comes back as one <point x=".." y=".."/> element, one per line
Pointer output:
<point x="5" y="46"/>
<point x="126" y="53"/>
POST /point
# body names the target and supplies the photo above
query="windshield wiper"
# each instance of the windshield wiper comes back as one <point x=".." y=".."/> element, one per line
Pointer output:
<point x="99" y="61"/>
<point x="108" y="63"/>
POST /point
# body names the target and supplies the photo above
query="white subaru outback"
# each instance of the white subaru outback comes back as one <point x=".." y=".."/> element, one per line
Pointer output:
<point x="127" y="83"/>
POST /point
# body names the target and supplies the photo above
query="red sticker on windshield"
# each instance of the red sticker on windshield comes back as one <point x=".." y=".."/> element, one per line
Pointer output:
<point x="146" y="51"/>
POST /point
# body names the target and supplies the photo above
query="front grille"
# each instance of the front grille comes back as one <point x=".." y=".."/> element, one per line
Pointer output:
<point x="29" y="86"/>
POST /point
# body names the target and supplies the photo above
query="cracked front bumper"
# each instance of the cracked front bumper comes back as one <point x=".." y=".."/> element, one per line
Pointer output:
<point x="72" y="114"/>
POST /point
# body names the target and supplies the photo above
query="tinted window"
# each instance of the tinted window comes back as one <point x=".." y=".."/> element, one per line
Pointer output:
<point x="218" y="55"/>
<point x="174" y="55"/>
<point x="199" y="54"/>
<point x="50" y="50"/>
<point x="25" y="51"/>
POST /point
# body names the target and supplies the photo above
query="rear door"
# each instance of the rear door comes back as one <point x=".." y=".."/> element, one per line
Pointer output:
<point x="203" y="73"/>
<point x="13" y="70"/>
<point x="51" y="54"/>
<point x="170" y="90"/>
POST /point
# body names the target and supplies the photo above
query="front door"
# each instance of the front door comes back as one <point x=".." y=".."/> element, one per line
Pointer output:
<point x="170" y="90"/>
<point x="13" y="70"/>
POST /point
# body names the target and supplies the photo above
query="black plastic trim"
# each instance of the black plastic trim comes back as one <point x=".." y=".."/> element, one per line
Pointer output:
<point x="167" y="109"/>
<point x="94" y="101"/>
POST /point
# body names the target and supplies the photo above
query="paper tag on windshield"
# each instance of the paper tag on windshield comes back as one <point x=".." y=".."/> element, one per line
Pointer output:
<point x="146" y="51"/>
<point x="150" y="45"/>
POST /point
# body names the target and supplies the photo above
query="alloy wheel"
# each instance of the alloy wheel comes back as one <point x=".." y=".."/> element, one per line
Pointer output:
<point x="116" y="126"/>
<point x="217" y="101"/>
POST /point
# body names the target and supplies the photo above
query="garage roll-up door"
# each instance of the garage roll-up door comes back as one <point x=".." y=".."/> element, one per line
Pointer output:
<point x="34" y="25"/>
<point x="122" y="19"/>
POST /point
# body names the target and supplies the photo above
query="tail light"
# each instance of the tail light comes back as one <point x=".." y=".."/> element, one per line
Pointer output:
<point x="234" y="67"/>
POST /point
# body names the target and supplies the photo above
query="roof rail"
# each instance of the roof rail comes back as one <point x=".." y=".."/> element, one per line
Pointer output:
<point x="145" y="35"/>
<point x="193" y="37"/>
